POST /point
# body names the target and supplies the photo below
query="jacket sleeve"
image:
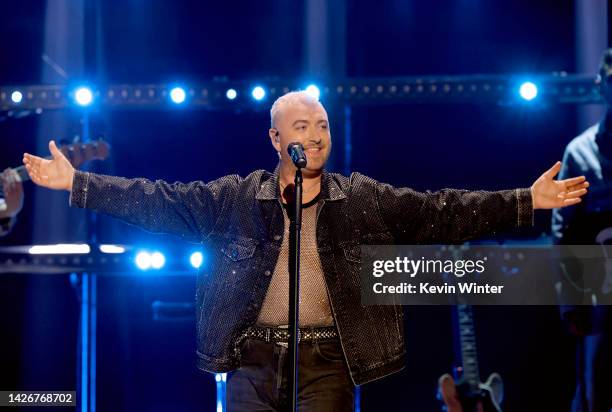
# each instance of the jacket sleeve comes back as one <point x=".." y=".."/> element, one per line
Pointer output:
<point x="451" y="215"/>
<point x="189" y="210"/>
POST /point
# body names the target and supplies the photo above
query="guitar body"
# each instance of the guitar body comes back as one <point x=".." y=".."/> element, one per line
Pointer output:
<point x="458" y="397"/>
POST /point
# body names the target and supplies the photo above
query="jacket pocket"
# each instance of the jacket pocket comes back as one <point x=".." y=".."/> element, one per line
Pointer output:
<point x="239" y="249"/>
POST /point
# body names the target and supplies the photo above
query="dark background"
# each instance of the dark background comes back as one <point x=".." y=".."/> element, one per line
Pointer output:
<point x="148" y="365"/>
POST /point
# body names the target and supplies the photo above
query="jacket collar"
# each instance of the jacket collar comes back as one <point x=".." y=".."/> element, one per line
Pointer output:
<point x="270" y="190"/>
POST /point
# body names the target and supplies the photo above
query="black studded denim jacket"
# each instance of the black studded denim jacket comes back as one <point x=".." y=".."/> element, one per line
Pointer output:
<point x="240" y="221"/>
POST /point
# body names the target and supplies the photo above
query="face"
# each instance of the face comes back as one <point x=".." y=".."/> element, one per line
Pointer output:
<point x="306" y="124"/>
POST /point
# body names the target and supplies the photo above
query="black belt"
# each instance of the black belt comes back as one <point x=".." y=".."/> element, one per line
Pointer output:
<point x="280" y="334"/>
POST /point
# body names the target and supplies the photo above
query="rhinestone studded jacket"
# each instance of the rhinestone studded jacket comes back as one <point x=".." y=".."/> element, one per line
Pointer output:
<point x="240" y="221"/>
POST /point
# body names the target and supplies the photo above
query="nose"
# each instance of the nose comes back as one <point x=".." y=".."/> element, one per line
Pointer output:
<point x="315" y="139"/>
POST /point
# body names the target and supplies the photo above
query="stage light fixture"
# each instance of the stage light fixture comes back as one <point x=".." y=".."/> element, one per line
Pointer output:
<point x="196" y="259"/>
<point x="314" y="91"/>
<point x="178" y="95"/>
<point x="83" y="96"/>
<point x="143" y="260"/>
<point x="16" y="96"/>
<point x="158" y="260"/>
<point x="231" y="94"/>
<point x="528" y="91"/>
<point x="258" y="93"/>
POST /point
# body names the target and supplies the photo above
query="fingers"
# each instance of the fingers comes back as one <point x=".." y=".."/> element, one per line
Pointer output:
<point x="573" y="181"/>
<point x="33" y="166"/>
<point x="575" y="193"/>
<point x="583" y="185"/>
<point x="36" y="176"/>
<point x="55" y="152"/>
<point x="552" y="172"/>
<point x="32" y="160"/>
<point x="570" y="202"/>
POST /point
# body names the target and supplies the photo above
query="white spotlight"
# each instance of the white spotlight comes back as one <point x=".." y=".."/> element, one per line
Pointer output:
<point x="528" y="91"/>
<point x="196" y="259"/>
<point x="157" y="260"/>
<point x="231" y="94"/>
<point x="313" y="91"/>
<point x="83" y="96"/>
<point x="258" y="93"/>
<point x="16" y="96"/>
<point x="143" y="260"/>
<point x="177" y="95"/>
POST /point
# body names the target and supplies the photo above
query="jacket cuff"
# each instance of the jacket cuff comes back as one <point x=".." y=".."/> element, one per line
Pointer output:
<point x="524" y="208"/>
<point x="78" y="195"/>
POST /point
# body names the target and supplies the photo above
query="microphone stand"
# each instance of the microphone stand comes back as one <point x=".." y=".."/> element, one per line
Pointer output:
<point x="294" y="289"/>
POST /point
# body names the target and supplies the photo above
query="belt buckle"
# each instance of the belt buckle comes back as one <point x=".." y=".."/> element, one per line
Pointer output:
<point x="284" y="344"/>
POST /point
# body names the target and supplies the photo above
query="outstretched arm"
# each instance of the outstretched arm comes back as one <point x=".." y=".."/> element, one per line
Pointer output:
<point x="188" y="210"/>
<point x="451" y="215"/>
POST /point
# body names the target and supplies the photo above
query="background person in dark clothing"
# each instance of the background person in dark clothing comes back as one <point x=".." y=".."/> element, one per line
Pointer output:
<point x="590" y="223"/>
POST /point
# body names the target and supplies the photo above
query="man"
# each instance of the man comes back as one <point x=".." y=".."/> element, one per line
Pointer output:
<point x="242" y="304"/>
<point x="11" y="200"/>
<point x="591" y="224"/>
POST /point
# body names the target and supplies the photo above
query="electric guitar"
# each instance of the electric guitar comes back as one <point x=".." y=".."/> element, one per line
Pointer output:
<point x="76" y="153"/>
<point x="465" y="392"/>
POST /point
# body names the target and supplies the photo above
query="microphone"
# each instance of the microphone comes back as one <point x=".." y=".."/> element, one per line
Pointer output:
<point x="296" y="151"/>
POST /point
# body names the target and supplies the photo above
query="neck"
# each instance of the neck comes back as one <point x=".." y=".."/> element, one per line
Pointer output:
<point x="311" y="185"/>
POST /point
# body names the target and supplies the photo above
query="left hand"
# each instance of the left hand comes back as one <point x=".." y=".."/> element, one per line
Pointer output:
<point x="13" y="193"/>
<point x="548" y="193"/>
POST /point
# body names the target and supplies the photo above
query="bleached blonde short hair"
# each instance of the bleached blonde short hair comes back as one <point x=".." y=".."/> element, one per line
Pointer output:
<point x="295" y="97"/>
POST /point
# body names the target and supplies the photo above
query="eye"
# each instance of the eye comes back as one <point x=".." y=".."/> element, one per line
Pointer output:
<point x="303" y="127"/>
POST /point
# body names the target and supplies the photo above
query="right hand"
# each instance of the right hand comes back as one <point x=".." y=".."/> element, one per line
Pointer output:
<point x="56" y="173"/>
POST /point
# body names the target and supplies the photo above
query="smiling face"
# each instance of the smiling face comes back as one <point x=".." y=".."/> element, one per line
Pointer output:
<point x="299" y="118"/>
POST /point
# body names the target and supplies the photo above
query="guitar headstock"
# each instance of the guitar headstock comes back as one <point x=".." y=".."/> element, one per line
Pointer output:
<point x="79" y="153"/>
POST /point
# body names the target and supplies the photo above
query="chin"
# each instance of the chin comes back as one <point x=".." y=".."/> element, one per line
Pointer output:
<point x="313" y="170"/>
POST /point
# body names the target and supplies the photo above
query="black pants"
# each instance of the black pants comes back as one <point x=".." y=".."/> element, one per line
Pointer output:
<point x="260" y="384"/>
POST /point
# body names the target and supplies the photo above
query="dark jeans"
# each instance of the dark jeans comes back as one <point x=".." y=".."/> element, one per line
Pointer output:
<point x="260" y="384"/>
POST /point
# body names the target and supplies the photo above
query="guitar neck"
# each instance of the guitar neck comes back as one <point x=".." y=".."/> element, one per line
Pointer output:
<point x="466" y="342"/>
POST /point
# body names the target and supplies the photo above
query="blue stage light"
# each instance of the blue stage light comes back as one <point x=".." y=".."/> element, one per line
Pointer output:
<point x="258" y="93"/>
<point x="196" y="259"/>
<point x="143" y="260"/>
<point x="178" y="95"/>
<point x="313" y="91"/>
<point x="158" y="260"/>
<point x="16" y="96"/>
<point x="528" y="91"/>
<point x="231" y="94"/>
<point x="83" y="96"/>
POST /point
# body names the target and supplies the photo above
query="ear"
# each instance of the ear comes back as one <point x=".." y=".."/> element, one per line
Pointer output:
<point x="275" y="139"/>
